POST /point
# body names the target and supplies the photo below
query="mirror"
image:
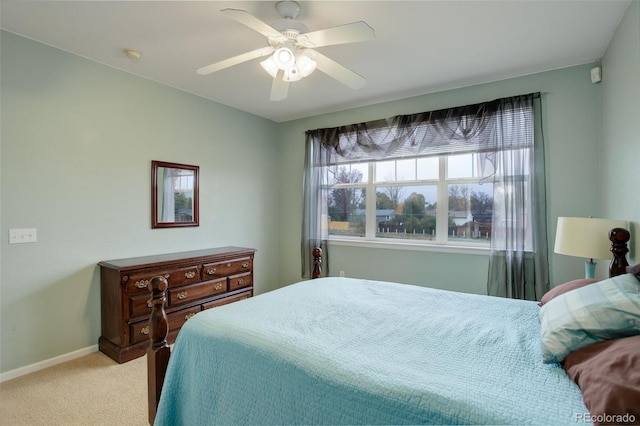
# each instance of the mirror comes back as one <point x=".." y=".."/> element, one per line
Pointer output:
<point x="174" y="189"/>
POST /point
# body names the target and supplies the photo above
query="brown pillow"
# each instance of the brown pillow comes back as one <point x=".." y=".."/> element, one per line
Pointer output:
<point x="608" y="374"/>
<point x="563" y="288"/>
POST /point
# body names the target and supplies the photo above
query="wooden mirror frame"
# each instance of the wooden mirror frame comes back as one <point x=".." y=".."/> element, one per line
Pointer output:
<point x="155" y="219"/>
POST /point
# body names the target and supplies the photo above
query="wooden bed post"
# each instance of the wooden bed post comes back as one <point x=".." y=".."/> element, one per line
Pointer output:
<point x="317" y="261"/>
<point x="159" y="351"/>
<point x="619" y="238"/>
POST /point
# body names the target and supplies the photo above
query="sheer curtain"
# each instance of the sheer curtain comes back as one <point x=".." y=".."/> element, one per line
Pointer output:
<point x="315" y="217"/>
<point x="518" y="264"/>
<point x="487" y="129"/>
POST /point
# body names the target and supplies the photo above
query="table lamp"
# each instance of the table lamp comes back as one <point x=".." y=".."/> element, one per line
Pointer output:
<point x="586" y="237"/>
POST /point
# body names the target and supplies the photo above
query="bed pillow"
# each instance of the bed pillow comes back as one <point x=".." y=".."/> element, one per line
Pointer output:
<point x="604" y="310"/>
<point x="608" y="374"/>
<point x="563" y="288"/>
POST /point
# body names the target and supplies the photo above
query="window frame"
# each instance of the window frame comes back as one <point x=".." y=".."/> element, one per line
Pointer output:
<point x="441" y="242"/>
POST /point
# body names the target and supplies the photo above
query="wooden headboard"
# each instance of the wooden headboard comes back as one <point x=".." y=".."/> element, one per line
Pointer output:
<point x="619" y="238"/>
<point x="317" y="263"/>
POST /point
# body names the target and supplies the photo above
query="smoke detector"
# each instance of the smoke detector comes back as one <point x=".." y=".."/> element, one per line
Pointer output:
<point x="133" y="54"/>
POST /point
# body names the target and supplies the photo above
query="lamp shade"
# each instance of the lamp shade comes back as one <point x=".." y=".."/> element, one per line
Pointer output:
<point x="585" y="236"/>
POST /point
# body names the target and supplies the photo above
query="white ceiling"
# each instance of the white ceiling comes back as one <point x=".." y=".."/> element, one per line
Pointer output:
<point x="420" y="46"/>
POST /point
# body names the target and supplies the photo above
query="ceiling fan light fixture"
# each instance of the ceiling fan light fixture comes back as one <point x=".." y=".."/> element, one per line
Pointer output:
<point x="292" y="75"/>
<point x="284" y="58"/>
<point x="295" y="66"/>
<point x="305" y="64"/>
<point x="270" y="66"/>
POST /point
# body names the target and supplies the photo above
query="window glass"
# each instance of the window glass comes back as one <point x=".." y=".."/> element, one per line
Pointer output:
<point x="360" y="169"/>
<point x="470" y="208"/>
<point x="406" y="212"/>
<point x="348" y="173"/>
<point x="427" y="168"/>
<point x="461" y="166"/>
<point x="346" y="202"/>
<point x="406" y="170"/>
<point x="385" y="171"/>
<point x="347" y="212"/>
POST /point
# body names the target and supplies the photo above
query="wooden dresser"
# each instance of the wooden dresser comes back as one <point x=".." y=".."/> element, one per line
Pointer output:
<point x="198" y="280"/>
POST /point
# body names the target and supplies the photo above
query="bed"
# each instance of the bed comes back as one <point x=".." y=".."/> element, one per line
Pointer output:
<point x="354" y="351"/>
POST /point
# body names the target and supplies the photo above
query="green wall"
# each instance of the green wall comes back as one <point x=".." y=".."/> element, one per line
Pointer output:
<point x="78" y="139"/>
<point x="620" y="137"/>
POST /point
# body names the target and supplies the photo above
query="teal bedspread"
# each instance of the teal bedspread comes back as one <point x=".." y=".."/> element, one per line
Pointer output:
<point x="350" y="351"/>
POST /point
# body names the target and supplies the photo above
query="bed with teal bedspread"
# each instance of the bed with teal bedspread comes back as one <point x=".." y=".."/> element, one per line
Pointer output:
<point x="351" y="351"/>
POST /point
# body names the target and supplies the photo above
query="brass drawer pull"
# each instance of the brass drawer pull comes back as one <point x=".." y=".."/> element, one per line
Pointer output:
<point x="240" y="281"/>
<point x="142" y="283"/>
<point x="211" y="271"/>
<point x="228" y="265"/>
<point x="190" y="274"/>
<point x="149" y="304"/>
<point x="245" y="264"/>
<point x="145" y="283"/>
<point x="144" y="330"/>
<point x="182" y="295"/>
<point x="188" y="316"/>
<point x="218" y="286"/>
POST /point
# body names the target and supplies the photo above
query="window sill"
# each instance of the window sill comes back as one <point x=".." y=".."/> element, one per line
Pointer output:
<point x="403" y="245"/>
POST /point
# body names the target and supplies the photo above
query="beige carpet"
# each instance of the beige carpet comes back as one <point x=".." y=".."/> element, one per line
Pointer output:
<point x="90" y="390"/>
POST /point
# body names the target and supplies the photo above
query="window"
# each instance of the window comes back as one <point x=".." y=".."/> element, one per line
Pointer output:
<point x="456" y="176"/>
<point x="405" y="196"/>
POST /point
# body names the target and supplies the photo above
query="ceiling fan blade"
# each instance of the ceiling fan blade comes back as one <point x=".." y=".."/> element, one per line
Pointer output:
<point x="258" y="53"/>
<point x="279" y="87"/>
<point x="348" y="33"/>
<point x="332" y="68"/>
<point x="247" y="19"/>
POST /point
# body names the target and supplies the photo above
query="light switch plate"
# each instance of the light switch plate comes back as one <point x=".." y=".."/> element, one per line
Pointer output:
<point x="23" y="235"/>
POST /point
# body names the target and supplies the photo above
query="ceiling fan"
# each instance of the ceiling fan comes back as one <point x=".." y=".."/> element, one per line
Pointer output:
<point x="290" y="49"/>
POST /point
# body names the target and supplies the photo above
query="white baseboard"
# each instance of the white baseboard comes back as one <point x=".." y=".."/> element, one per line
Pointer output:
<point x="47" y="363"/>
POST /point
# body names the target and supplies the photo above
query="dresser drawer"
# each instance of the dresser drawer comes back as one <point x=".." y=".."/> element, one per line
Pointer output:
<point x="228" y="267"/>
<point x="177" y="319"/>
<point x="138" y="282"/>
<point x="140" y="331"/>
<point x="239" y="281"/>
<point x="226" y="300"/>
<point x="186" y="294"/>
<point x="140" y="305"/>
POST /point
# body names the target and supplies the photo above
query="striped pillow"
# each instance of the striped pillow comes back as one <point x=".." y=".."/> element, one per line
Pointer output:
<point x="608" y="309"/>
